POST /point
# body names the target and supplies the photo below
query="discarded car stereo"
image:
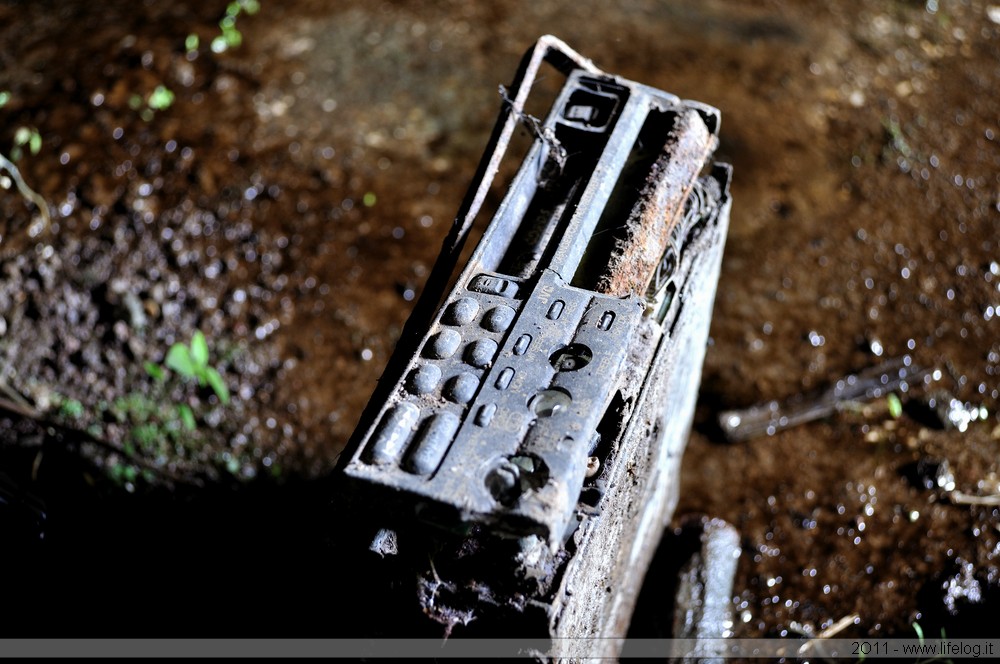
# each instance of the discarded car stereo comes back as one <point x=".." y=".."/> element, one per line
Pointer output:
<point x="512" y="391"/>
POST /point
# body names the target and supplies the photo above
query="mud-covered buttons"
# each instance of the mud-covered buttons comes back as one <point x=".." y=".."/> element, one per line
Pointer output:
<point x="424" y="378"/>
<point x="460" y="312"/>
<point x="443" y="344"/>
<point x="480" y="353"/>
<point x="461" y="388"/>
<point x="499" y="318"/>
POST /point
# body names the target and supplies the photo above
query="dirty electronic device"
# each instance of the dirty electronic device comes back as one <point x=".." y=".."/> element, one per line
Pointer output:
<point x="516" y="384"/>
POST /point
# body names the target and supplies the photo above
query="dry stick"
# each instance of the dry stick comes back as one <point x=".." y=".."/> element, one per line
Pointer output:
<point x="827" y="633"/>
<point x="960" y="498"/>
<point x="16" y="403"/>
<point x="838" y="627"/>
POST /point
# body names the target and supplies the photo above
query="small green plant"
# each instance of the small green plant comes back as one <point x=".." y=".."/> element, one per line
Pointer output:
<point x="230" y="36"/>
<point x="191" y="361"/>
<point x="895" y="405"/>
<point x="896" y="137"/>
<point x="23" y="136"/>
<point x="150" y="429"/>
<point x="159" y="99"/>
<point x="71" y="409"/>
<point x="920" y="639"/>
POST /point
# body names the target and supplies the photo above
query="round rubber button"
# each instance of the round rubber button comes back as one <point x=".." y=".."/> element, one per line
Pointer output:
<point x="461" y="388"/>
<point x="461" y="312"/>
<point x="499" y="318"/>
<point x="424" y="378"/>
<point x="443" y="344"/>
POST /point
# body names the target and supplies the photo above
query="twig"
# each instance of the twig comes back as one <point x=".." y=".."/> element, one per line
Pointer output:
<point x="537" y="129"/>
<point x="838" y="627"/>
<point x="16" y="404"/>
<point x="772" y="417"/>
<point x="28" y="193"/>
<point x="960" y="498"/>
<point x="829" y="632"/>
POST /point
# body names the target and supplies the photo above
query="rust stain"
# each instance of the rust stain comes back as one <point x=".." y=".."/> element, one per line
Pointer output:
<point x="660" y="207"/>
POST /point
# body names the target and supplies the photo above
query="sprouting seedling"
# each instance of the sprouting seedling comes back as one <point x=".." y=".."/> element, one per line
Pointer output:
<point x="160" y="99"/>
<point x="894" y="404"/>
<point x="192" y="362"/>
<point x="230" y="36"/>
<point x="24" y="136"/>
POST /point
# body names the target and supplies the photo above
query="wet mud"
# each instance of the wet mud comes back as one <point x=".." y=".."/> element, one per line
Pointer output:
<point x="291" y="199"/>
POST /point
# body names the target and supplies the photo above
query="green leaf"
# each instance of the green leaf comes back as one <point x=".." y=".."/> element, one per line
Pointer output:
<point x="232" y="36"/>
<point x="161" y="98"/>
<point x="154" y="370"/>
<point x="4" y="98"/>
<point x="218" y="385"/>
<point x="35" y="142"/>
<point x="179" y="359"/>
<point x="895" y="405"/>
<point x="22" y="135"/>
<point x="199" y="350"/>
<point x="187" y="417"/>
<point x="191" y="43"/>
<point x="71" y="408"/>
<point x="920" y="632"/>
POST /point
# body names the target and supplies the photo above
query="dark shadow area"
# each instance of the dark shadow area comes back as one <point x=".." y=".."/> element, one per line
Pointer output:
<point x="654" y="610"/>
<point x="257" y="560"/>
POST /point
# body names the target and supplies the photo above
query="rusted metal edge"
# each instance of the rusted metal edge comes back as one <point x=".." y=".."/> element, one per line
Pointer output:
<point x="660" y="207"/>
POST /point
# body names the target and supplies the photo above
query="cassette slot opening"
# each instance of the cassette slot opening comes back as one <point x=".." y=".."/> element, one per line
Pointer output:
<point x="545" y="90"/>
<point x="612" y="225"/>
<point x="544" y="197"/>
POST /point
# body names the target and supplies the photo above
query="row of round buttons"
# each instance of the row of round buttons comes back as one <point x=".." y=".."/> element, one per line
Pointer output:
<point x="464" y="310"/>
<point x="461" y="387"/>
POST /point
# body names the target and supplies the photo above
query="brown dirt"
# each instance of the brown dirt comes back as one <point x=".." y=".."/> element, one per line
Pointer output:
<point x="292" y="199"/>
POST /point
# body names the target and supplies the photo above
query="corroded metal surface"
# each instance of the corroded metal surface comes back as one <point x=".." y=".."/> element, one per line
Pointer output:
<point x="547" y="396"/>
<point x="660" y="207"/>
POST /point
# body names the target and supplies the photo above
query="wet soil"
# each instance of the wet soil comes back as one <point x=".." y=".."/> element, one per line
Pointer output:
<point x="290" y="202"/>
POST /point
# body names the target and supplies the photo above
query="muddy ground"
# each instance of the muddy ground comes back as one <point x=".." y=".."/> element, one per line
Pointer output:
<point x="292" y="197"/>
